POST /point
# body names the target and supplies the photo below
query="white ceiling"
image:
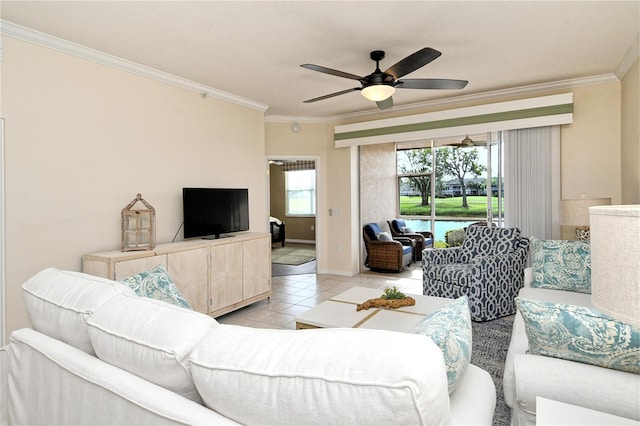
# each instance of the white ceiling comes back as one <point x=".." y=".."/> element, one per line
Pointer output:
<point x="254" y="49"/>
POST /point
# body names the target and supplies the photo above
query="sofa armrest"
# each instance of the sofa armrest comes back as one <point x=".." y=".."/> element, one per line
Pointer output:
<point x="4" y="389"/>
<point x="528" y="276"/>
<point x="602" y="389"/>
<point x="405" y="241"/>
<point x="49" y="378"/>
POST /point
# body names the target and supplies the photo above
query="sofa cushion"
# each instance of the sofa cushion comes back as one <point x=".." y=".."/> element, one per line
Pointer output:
<point x="58" y="303"/>
<point x="321" y="376"/>
<point x="561" y="265"/>
<point x="488" y="241"/>
<point x="581" y="334"/>
<point x="156" y="284"/>
<point x="450" y="328"/>
<point x="151" y="339"/>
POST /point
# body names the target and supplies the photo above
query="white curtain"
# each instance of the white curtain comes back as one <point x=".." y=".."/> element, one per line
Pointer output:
<point x="532" y="181"/>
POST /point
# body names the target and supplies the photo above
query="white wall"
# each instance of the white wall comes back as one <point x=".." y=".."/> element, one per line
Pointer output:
<point x="81" y="139"/>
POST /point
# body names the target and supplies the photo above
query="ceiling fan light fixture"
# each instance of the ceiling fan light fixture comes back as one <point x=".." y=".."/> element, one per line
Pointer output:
<point x="466" y="142"/>
<point x="378" y="92"/>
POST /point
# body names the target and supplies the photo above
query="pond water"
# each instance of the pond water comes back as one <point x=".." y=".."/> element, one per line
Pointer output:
<point x="442" y="226"/>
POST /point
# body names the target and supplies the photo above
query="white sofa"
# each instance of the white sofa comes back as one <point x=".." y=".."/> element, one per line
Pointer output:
<point x="528" y="376"/>
<point x="98" y="354"/>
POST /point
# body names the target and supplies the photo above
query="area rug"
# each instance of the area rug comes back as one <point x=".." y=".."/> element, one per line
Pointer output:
<point x="489" y="352"/>
<point x="292" y="256"/>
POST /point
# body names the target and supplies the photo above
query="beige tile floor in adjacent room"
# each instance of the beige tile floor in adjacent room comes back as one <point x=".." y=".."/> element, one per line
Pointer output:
<point x="294" y="294"/>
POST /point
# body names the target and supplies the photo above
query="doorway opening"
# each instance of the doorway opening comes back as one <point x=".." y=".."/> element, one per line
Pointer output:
<point x="292" y="215"/>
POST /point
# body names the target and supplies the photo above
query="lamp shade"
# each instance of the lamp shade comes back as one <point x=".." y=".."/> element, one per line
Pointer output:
<point x="576" y="212"/>
<point x="378" y="92"/>
<point x="615" y="261"/>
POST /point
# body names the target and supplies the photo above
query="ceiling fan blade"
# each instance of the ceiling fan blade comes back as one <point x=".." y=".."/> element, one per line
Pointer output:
<point x="431" y="83"/>
<point x="331" y="71"/>
<point x="412" y="62"/>
<point x="387" y="103"/>
<point x="331" y="95"/>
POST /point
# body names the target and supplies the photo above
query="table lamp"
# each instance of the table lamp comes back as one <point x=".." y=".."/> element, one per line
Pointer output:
<point x="576" y="213"/>
<point x="615" y="261"/>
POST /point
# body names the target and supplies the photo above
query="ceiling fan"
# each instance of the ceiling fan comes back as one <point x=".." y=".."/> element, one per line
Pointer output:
<point x="379" y="86"/>
<point x="467" y="142"/>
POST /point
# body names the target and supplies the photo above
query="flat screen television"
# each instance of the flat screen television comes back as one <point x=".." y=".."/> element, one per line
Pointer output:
<point x="214" y="212"/>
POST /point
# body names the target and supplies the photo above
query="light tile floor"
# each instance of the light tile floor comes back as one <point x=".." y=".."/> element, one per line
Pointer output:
<point x="294" y="294"/>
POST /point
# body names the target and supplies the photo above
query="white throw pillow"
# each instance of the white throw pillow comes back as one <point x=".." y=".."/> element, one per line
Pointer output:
<point x="322" y="376"/>
<point x="58" y="303"/>
<point x="151" y="339"/>
<point x="384" y="236"/>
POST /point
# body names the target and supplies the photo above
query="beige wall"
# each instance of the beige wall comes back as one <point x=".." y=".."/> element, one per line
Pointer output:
<point x="590" y="146"/>
<point x="630" y="148"/>
<point x="82" y="139"/>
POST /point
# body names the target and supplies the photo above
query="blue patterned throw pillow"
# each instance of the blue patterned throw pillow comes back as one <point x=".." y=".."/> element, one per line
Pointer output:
<point x="156" y="284"/>
<point x="581" y="334"/>
<point x="450" y="328"/>
<point x="561" y="265"/>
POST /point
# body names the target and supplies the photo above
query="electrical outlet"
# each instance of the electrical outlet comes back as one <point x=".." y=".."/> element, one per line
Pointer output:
<point x="313" y="227"/>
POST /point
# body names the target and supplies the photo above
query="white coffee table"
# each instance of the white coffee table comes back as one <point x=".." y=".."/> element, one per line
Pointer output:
<point x="340" y="311"/>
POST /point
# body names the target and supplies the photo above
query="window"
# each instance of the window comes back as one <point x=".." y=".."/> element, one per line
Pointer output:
<point x="444" y="186"/>
<point x="300" y="187"/>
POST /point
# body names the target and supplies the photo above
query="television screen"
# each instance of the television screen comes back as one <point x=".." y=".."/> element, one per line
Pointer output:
<point x="212" y="212"/>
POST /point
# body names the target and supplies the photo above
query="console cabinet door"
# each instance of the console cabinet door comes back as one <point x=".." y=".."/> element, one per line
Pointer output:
<point x="190" y="273"/>
<point x="225" y="284"/>
<point x="125" y="268"/>
<point x="256" y="266"/>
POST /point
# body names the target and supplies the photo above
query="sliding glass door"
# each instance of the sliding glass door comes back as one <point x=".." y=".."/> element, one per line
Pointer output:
<point x="447" y="184"/>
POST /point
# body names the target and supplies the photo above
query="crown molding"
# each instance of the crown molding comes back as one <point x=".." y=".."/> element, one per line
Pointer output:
<point x="45" y="40"/>
<point x="629" y="59"/>
<point x="453" y="101"/>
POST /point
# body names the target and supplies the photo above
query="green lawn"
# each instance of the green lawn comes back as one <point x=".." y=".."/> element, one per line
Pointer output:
<point x="448" y="207"/>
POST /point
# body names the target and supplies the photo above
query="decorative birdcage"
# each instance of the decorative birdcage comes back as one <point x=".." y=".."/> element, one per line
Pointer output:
<point x="138" y="227"/>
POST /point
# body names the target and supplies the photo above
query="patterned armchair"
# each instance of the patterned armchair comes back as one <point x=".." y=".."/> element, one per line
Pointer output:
<point x="488" y="268"/>
<point x="422" y="239"/>
<point x="385" y="252"/>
